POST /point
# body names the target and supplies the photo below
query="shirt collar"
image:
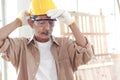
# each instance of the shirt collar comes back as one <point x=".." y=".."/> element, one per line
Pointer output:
<point x="32" y="40"/>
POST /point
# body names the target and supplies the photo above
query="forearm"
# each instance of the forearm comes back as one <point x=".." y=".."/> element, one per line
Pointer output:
<point x="6" y="30"/>
<point x="80" y="38"/>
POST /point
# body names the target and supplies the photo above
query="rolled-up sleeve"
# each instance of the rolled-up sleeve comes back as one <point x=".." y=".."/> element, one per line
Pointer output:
<point x="10" y="50"/>
<point x="80" y="55"/>
<point x="4" y="46"/>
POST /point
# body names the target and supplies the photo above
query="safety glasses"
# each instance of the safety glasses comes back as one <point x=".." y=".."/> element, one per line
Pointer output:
<point x="43" y="22"/>
<point x="34" y="18"/>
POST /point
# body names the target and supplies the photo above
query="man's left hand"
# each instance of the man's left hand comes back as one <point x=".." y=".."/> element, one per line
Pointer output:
<point x="62" y="15"/>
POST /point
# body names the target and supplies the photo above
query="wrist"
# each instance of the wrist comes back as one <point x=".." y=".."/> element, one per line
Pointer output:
<point x="19" y="22"/>
<point x="70" y="24"/>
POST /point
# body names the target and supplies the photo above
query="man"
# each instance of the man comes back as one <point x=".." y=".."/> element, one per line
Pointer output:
<point x="43" y="56"/>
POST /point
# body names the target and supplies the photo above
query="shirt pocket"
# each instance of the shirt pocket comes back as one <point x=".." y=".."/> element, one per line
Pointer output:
<point x="63" y="56"/>
<point x="64" y="60"/>
<point x="65" y="67"/>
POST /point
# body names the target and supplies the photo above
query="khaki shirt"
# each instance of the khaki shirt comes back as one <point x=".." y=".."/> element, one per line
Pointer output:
<point x="25" y="57"/>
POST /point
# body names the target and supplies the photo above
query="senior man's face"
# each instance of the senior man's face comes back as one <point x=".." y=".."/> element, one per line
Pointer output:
<point x="43" y="27"/>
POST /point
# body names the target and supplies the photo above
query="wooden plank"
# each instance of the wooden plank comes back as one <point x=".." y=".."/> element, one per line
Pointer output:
<point x="96" y="65"/>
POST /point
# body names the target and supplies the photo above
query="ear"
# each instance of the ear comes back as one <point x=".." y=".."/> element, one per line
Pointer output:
<point x="30" y="22"/>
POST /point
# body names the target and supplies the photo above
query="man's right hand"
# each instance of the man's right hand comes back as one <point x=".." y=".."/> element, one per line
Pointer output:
<point x="23" y="17"/>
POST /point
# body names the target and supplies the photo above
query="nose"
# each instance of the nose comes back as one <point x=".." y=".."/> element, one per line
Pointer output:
<point x="47" y="25"/>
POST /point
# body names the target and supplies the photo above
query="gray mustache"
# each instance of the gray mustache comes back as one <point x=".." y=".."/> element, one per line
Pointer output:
<point x="46" y="32"/>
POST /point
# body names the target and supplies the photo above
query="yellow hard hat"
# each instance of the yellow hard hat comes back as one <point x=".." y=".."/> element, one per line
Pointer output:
<point x="40" y="7"/>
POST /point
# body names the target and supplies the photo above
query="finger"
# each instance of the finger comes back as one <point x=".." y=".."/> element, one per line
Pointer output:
<point x="58" y="13"/>
<point x="51" y="12"/>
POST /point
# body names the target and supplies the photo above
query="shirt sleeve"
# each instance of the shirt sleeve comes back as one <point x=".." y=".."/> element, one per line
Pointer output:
<point x="80" y="55"/>
<point x="10" y="50"/>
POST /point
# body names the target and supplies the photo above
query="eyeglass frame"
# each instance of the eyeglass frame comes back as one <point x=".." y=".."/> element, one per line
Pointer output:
<point x="34" y="18"/>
